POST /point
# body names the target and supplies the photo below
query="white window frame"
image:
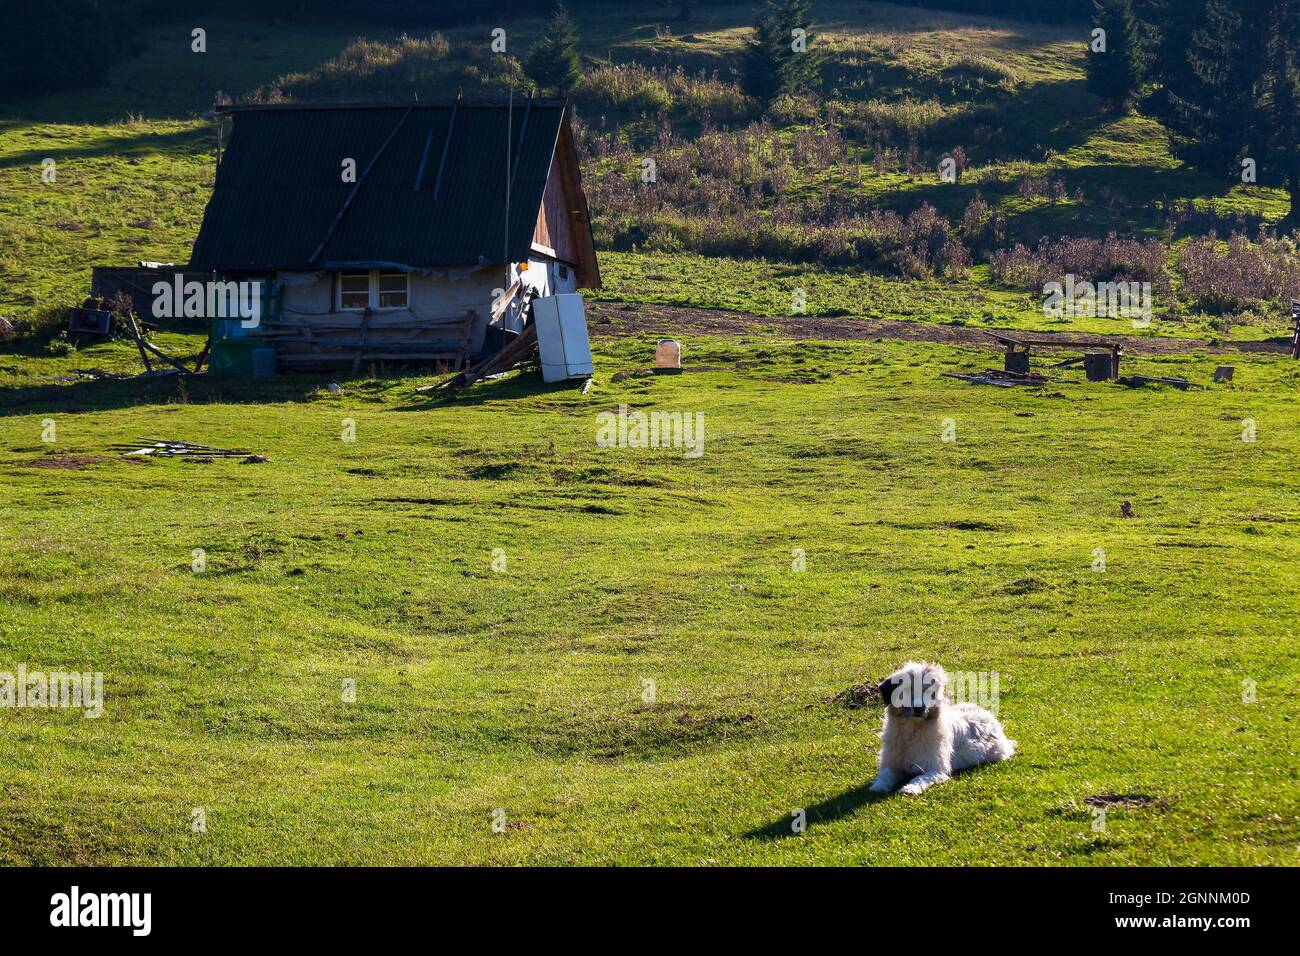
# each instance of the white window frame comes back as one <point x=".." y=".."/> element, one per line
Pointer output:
<point x="372" y="299"/>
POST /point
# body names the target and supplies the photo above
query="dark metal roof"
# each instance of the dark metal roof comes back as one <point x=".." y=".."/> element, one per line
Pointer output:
<point x="279" y="200"/>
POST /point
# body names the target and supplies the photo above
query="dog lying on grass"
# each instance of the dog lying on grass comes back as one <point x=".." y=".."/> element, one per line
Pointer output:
<point x="927" y="737"/>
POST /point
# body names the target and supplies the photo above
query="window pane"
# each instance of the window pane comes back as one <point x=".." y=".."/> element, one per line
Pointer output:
<point x="392" y="290"/>
<point x="354" y="290"/>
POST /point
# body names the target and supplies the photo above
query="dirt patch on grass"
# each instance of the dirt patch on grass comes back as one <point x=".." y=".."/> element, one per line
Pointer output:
<point x="615" y="318"/>
<point x="66" y="462"/>
<point x="858" y="697"/>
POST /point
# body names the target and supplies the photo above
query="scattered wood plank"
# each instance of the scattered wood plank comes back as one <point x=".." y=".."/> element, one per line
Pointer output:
<point x="164" y="448"/>
<point x="517" y="352"/>
<point x="1179" y="383"/>
<point x="1077" y="360"/>
<point x="1000" y="378"/>
<point x="165" y="357"/>
<point x="139" y="340"/>
<point x="203" y="356"/>
<point x="499" y="310"/>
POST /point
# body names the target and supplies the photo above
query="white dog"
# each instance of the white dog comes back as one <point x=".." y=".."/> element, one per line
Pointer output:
<point x="927" y="737"/>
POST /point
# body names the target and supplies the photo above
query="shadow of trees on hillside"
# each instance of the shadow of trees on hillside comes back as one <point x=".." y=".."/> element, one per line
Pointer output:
<point x="180" y="143"/>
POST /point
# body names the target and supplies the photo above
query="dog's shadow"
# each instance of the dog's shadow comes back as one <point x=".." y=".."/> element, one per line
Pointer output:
<point x="841" y="806"/>
<point x="836" y="807"/>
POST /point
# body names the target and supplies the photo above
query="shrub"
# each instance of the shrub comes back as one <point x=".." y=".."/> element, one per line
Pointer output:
<point x="1093" y="260"/>
<point x="633" y="87"/>
<point x="1224" y="278"/>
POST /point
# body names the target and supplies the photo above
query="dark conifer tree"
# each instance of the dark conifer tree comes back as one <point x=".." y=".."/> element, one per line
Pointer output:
<point x="1115" y="60"/>
<point x="1237" y="110"/>
<point x="553" y="63"/>
<point x="780" y="56"/>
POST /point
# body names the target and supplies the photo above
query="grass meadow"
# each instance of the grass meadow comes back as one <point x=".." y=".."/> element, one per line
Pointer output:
<point x="522" y="690"/>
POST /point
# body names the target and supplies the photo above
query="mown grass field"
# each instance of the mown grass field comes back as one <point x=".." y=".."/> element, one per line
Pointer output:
<point x="524" y="690"/>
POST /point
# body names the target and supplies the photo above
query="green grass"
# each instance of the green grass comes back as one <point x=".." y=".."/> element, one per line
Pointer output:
<point x="522" y="690"/>
<point x="122" y="193"/>
<point x="768" y="288"/>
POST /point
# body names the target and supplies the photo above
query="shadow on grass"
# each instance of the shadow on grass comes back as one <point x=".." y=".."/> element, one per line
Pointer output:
<point x="835" y="808"/>
<point x="145" y="143"/>
<point x="527" y="384"/>
<point x="849" y="802"/>
<point x="107" y="394"/>
<point x="98" y="395"/>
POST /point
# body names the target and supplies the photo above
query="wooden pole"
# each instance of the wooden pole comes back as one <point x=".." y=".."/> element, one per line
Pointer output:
<point x="510" y="128"/>
<point x="139" y="341"/>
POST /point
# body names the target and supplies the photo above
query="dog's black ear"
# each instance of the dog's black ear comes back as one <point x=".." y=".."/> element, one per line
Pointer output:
<point x="886" y="690"/>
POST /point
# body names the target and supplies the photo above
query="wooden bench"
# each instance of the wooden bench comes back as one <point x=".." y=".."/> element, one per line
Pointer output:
<point x="1100" y="361"/>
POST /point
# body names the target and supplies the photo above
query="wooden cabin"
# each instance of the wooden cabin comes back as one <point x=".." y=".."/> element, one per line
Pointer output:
<point x="387" y="233"/>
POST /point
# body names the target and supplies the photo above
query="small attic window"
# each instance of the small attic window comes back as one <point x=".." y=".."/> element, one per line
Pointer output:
<point x="373" y="290"/>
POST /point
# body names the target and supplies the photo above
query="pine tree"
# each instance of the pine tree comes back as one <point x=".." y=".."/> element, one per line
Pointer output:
<point x="760" y="66"/>
<point x="1216" y="120"/>
<point x="553" y="62"/>
<point x="801" y="64"/>
<point x="1284" y="104"/>
<point x="780" y="57"/>
<point x="1241" y="102"/>
<point x="1171" y="23"/>
<point x="1115" y="71"/>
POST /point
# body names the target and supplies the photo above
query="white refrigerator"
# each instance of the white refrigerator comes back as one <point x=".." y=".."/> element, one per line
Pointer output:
<point x="562" y="337"/>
